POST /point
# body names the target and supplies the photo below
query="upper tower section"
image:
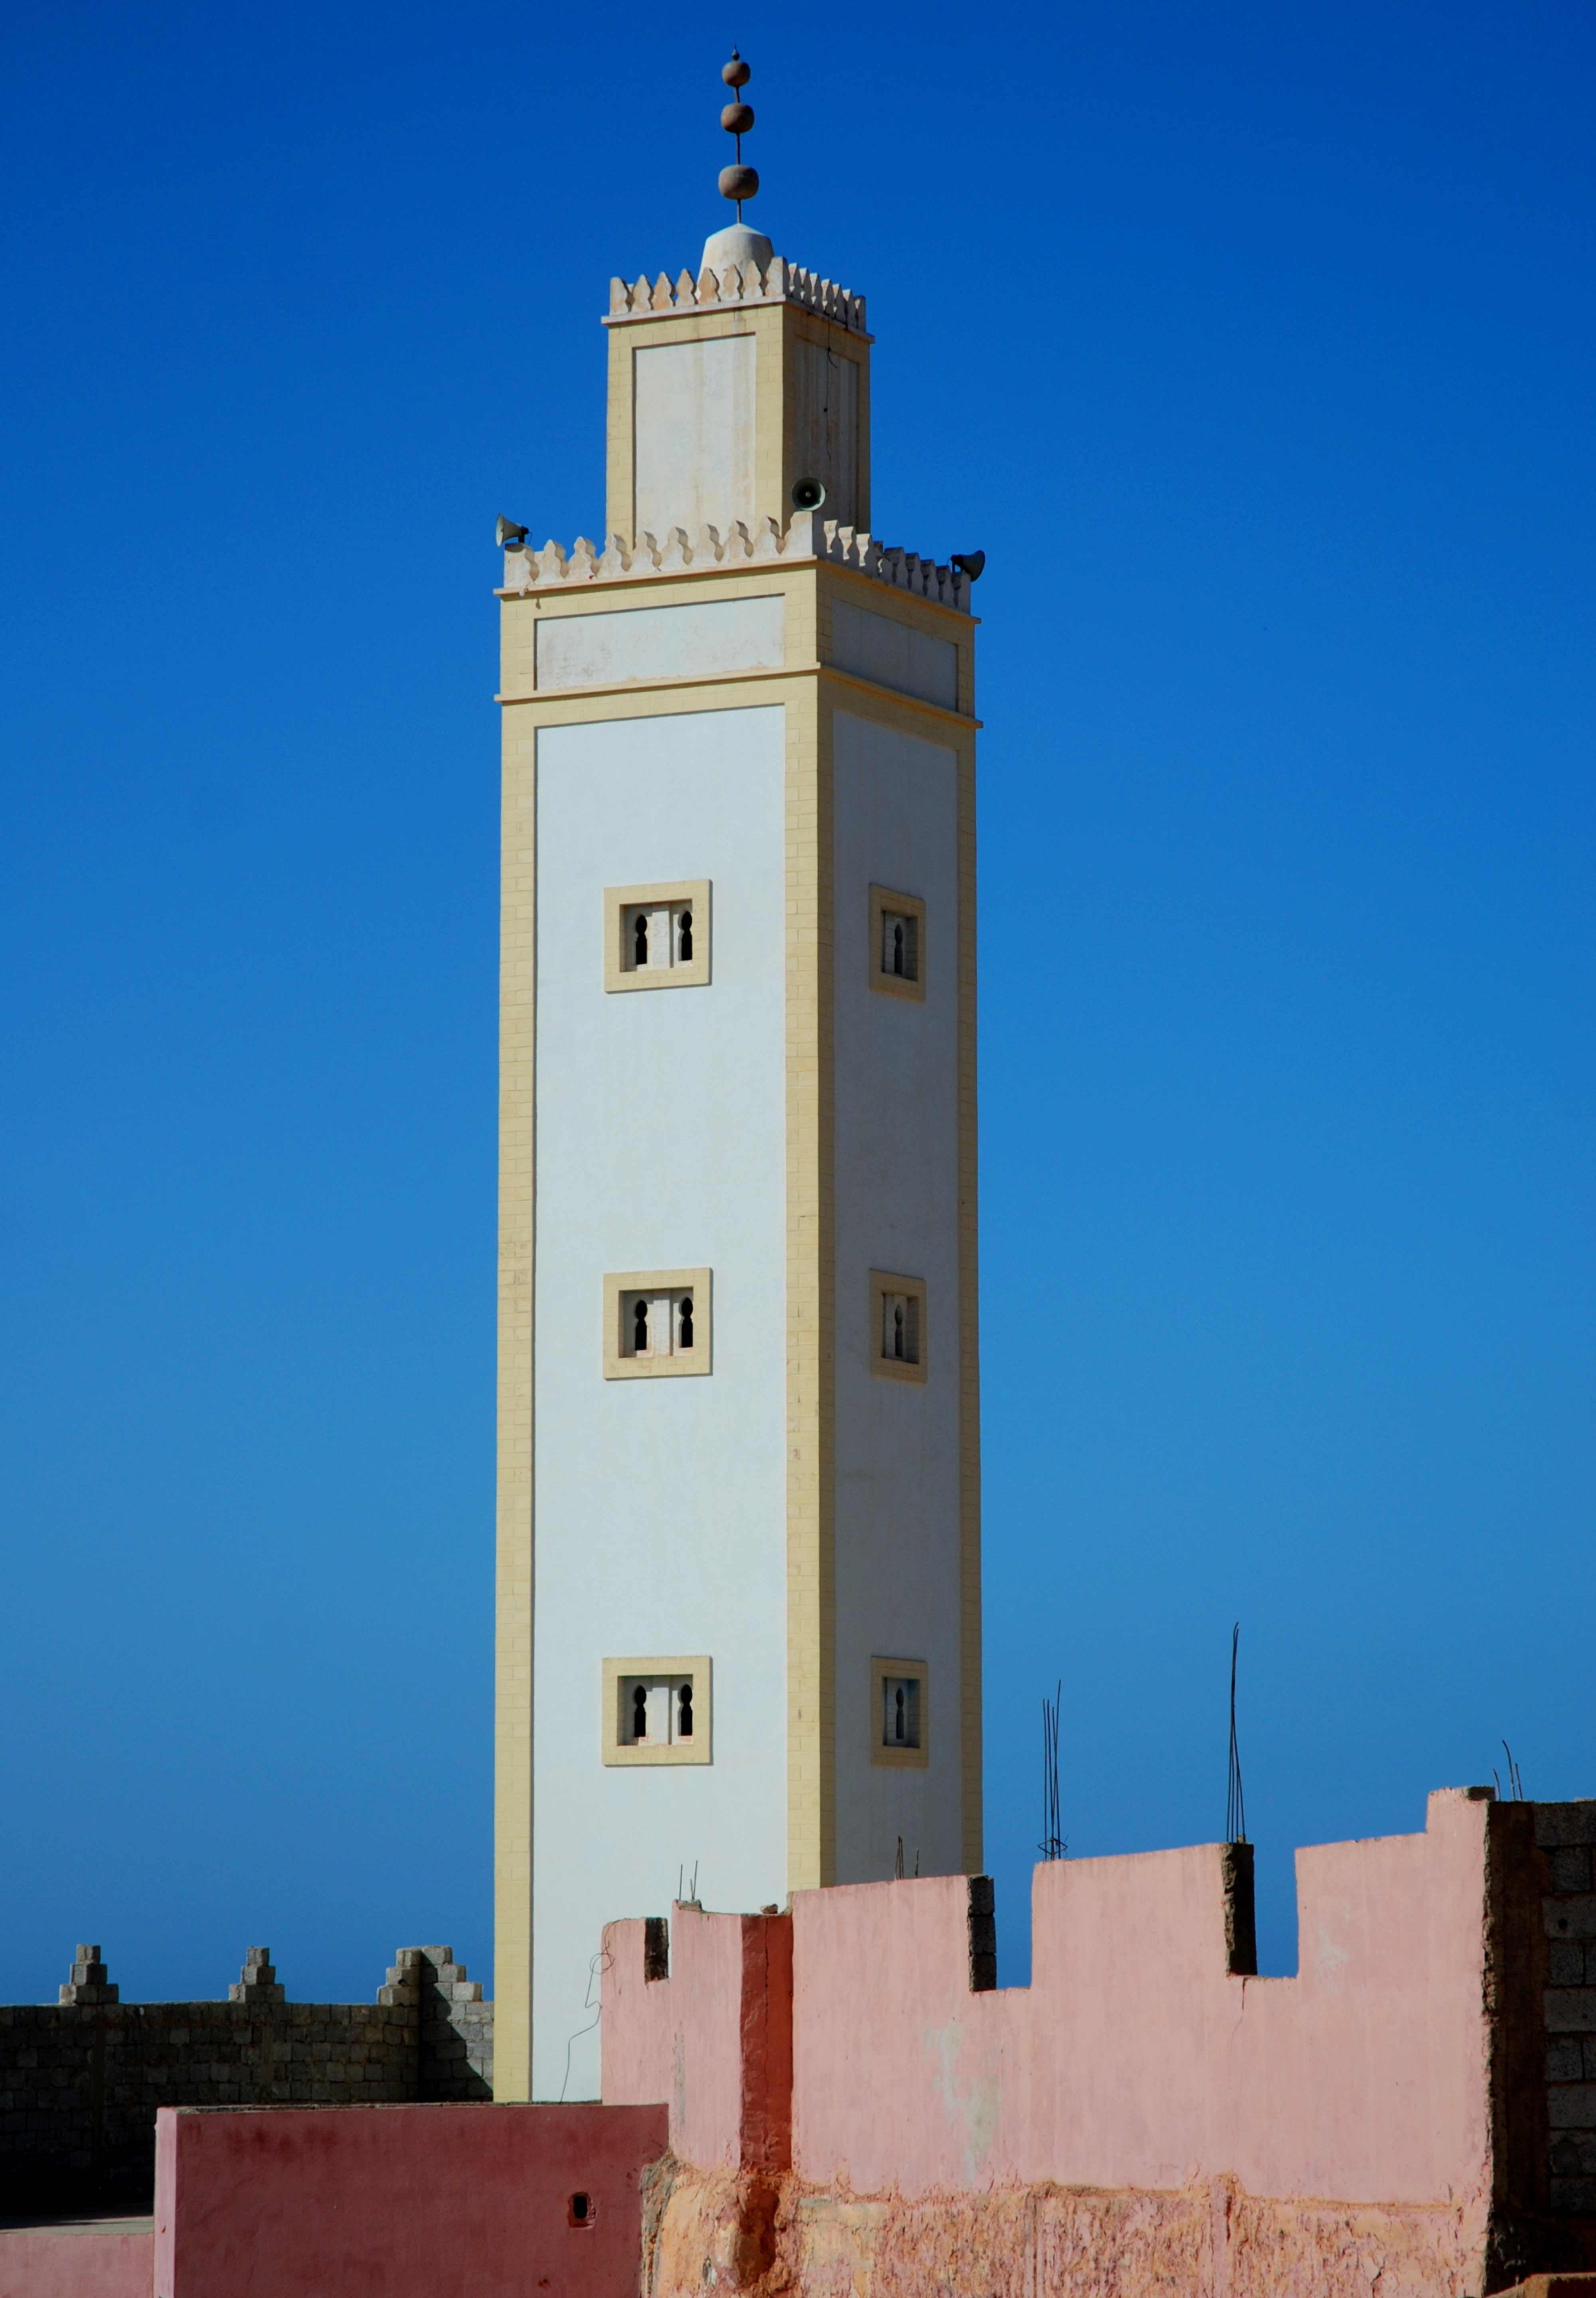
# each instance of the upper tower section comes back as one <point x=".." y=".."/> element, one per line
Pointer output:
<point x="741" y="393"/>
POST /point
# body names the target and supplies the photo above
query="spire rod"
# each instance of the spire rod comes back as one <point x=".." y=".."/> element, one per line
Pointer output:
<point x="738" y="182"/>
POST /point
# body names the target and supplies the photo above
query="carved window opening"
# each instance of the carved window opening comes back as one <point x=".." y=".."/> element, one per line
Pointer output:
<point x="900" y="1327"/>
<point x="656" y="937"/>
<point x="657" y="1322"/>
<point x="900" y="1712"/>
<point x="897" y="1713"/>
<point x="897" y="1327"/>
<point x="898" y="944"/>
<point x="657" y="1711"/>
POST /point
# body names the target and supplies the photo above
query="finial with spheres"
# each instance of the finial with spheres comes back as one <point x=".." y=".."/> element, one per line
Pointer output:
<point x="738" y="182"/>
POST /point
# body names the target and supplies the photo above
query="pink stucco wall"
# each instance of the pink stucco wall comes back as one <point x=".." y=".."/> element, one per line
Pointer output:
<point x="714" y="2040"/>
<point x="400" y="2201"/>
<point x="76" y="2262"/>
<point x="1133" y="2059"/>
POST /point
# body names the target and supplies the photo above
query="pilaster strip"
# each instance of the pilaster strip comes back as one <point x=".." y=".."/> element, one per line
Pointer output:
<point x="513" y="1579"/>
<point x="970" y="1527"/>
<point x="811" y="1286"/>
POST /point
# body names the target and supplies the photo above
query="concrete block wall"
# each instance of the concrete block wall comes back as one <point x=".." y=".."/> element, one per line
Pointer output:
<point x="1566" y="1834"/>
<point x="81" y="2080"/>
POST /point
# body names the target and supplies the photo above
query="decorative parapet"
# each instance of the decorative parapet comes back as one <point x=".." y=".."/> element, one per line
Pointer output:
<point x="88" y="1983"/>
<point x="257" y="1984"/>
<point x="526" y="570"/>
<point x="782" y="283"/>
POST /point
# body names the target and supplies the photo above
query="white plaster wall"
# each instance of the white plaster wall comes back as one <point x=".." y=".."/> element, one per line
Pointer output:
<point x="874" y="647"/>
<point x="693" y="434"/>
<point x="645" y="642"/>
<point x="660" y="1505"/>
<point x="897" y="1443"/>
<point x="827" y="426"/>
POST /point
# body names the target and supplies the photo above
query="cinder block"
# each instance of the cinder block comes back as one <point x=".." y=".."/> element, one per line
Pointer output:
<point x="1572" y="2106"/>
<point x="1570" y="1869"/>
<point x="1571" y="1918"/>
<point x="1566" y="1962"/>
<point x="1562" y="1825"/>
<point x="1570" y="2010"/>
<point x="1573" y="2154"/>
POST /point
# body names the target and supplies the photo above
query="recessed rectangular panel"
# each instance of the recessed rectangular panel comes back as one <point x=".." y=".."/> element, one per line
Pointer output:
<point x="693" y="434"/>
<point x="653" y="643"/>
<point x="889" y="653"/>
<point x="827" y="427"/>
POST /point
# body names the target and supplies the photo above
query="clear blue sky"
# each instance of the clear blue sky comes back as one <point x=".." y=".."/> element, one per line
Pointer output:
<point x="1255" y="346"/>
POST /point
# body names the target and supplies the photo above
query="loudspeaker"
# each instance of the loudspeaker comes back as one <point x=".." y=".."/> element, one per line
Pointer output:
<point x="807" y="494"/>
<point x="505" y="530"/>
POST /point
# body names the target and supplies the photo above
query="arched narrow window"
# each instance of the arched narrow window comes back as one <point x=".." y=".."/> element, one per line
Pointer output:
<point x="898" y="1336"/>
<point x="640" y="939"/>
<point x="899" y="1703"/>
<point x="684" y="938"/>
<point x="639" y="1329"/>
<point x="684" y="1322"/>
<point x="684" y="1712"/>
<point x="639" y="1712"/>
<point x="898" y="947"/>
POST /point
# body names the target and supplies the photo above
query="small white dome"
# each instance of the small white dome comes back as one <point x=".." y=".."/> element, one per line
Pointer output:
<point x="749" y="250"/>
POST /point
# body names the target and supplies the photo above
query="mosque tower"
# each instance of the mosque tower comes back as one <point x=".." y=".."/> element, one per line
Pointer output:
<point x="738" y="1533"/>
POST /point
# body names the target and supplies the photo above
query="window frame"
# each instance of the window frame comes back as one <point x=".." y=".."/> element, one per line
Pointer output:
<point x="891" y="1758"/>
<point x="691" y="892"/>
<point x="618" y="1365"/>
<point x="615" y="1751"/>
<point x="882" y="1282"/>
<point x="884" y="899"/>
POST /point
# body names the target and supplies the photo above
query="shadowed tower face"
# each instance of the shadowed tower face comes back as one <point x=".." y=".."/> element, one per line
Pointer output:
<point x="739" y="1534"/>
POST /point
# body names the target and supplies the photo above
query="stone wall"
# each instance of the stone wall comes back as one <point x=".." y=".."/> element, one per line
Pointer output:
<point x="81" y="2080"/>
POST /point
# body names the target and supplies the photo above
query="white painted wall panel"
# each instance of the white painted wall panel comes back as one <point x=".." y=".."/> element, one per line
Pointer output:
<point x="827" y="426"/>
<point x="652" y="642"/>
<point x="660" y="1506"/>
<point x="898" y="1444"/>
<point x="890" y="654"/>
<point x="693" y="433"/>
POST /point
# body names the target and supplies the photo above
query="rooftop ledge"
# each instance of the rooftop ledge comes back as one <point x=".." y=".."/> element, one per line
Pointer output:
<point x="780" y="282"/>
<point x="807" y="536"/>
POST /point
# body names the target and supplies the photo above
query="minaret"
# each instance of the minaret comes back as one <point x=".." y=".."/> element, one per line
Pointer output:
<point x="738" y="1582"/>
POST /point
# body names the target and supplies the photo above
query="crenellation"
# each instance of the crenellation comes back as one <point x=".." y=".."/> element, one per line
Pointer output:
<point x="780" y="282"/>
<point x="806" y="536"/>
